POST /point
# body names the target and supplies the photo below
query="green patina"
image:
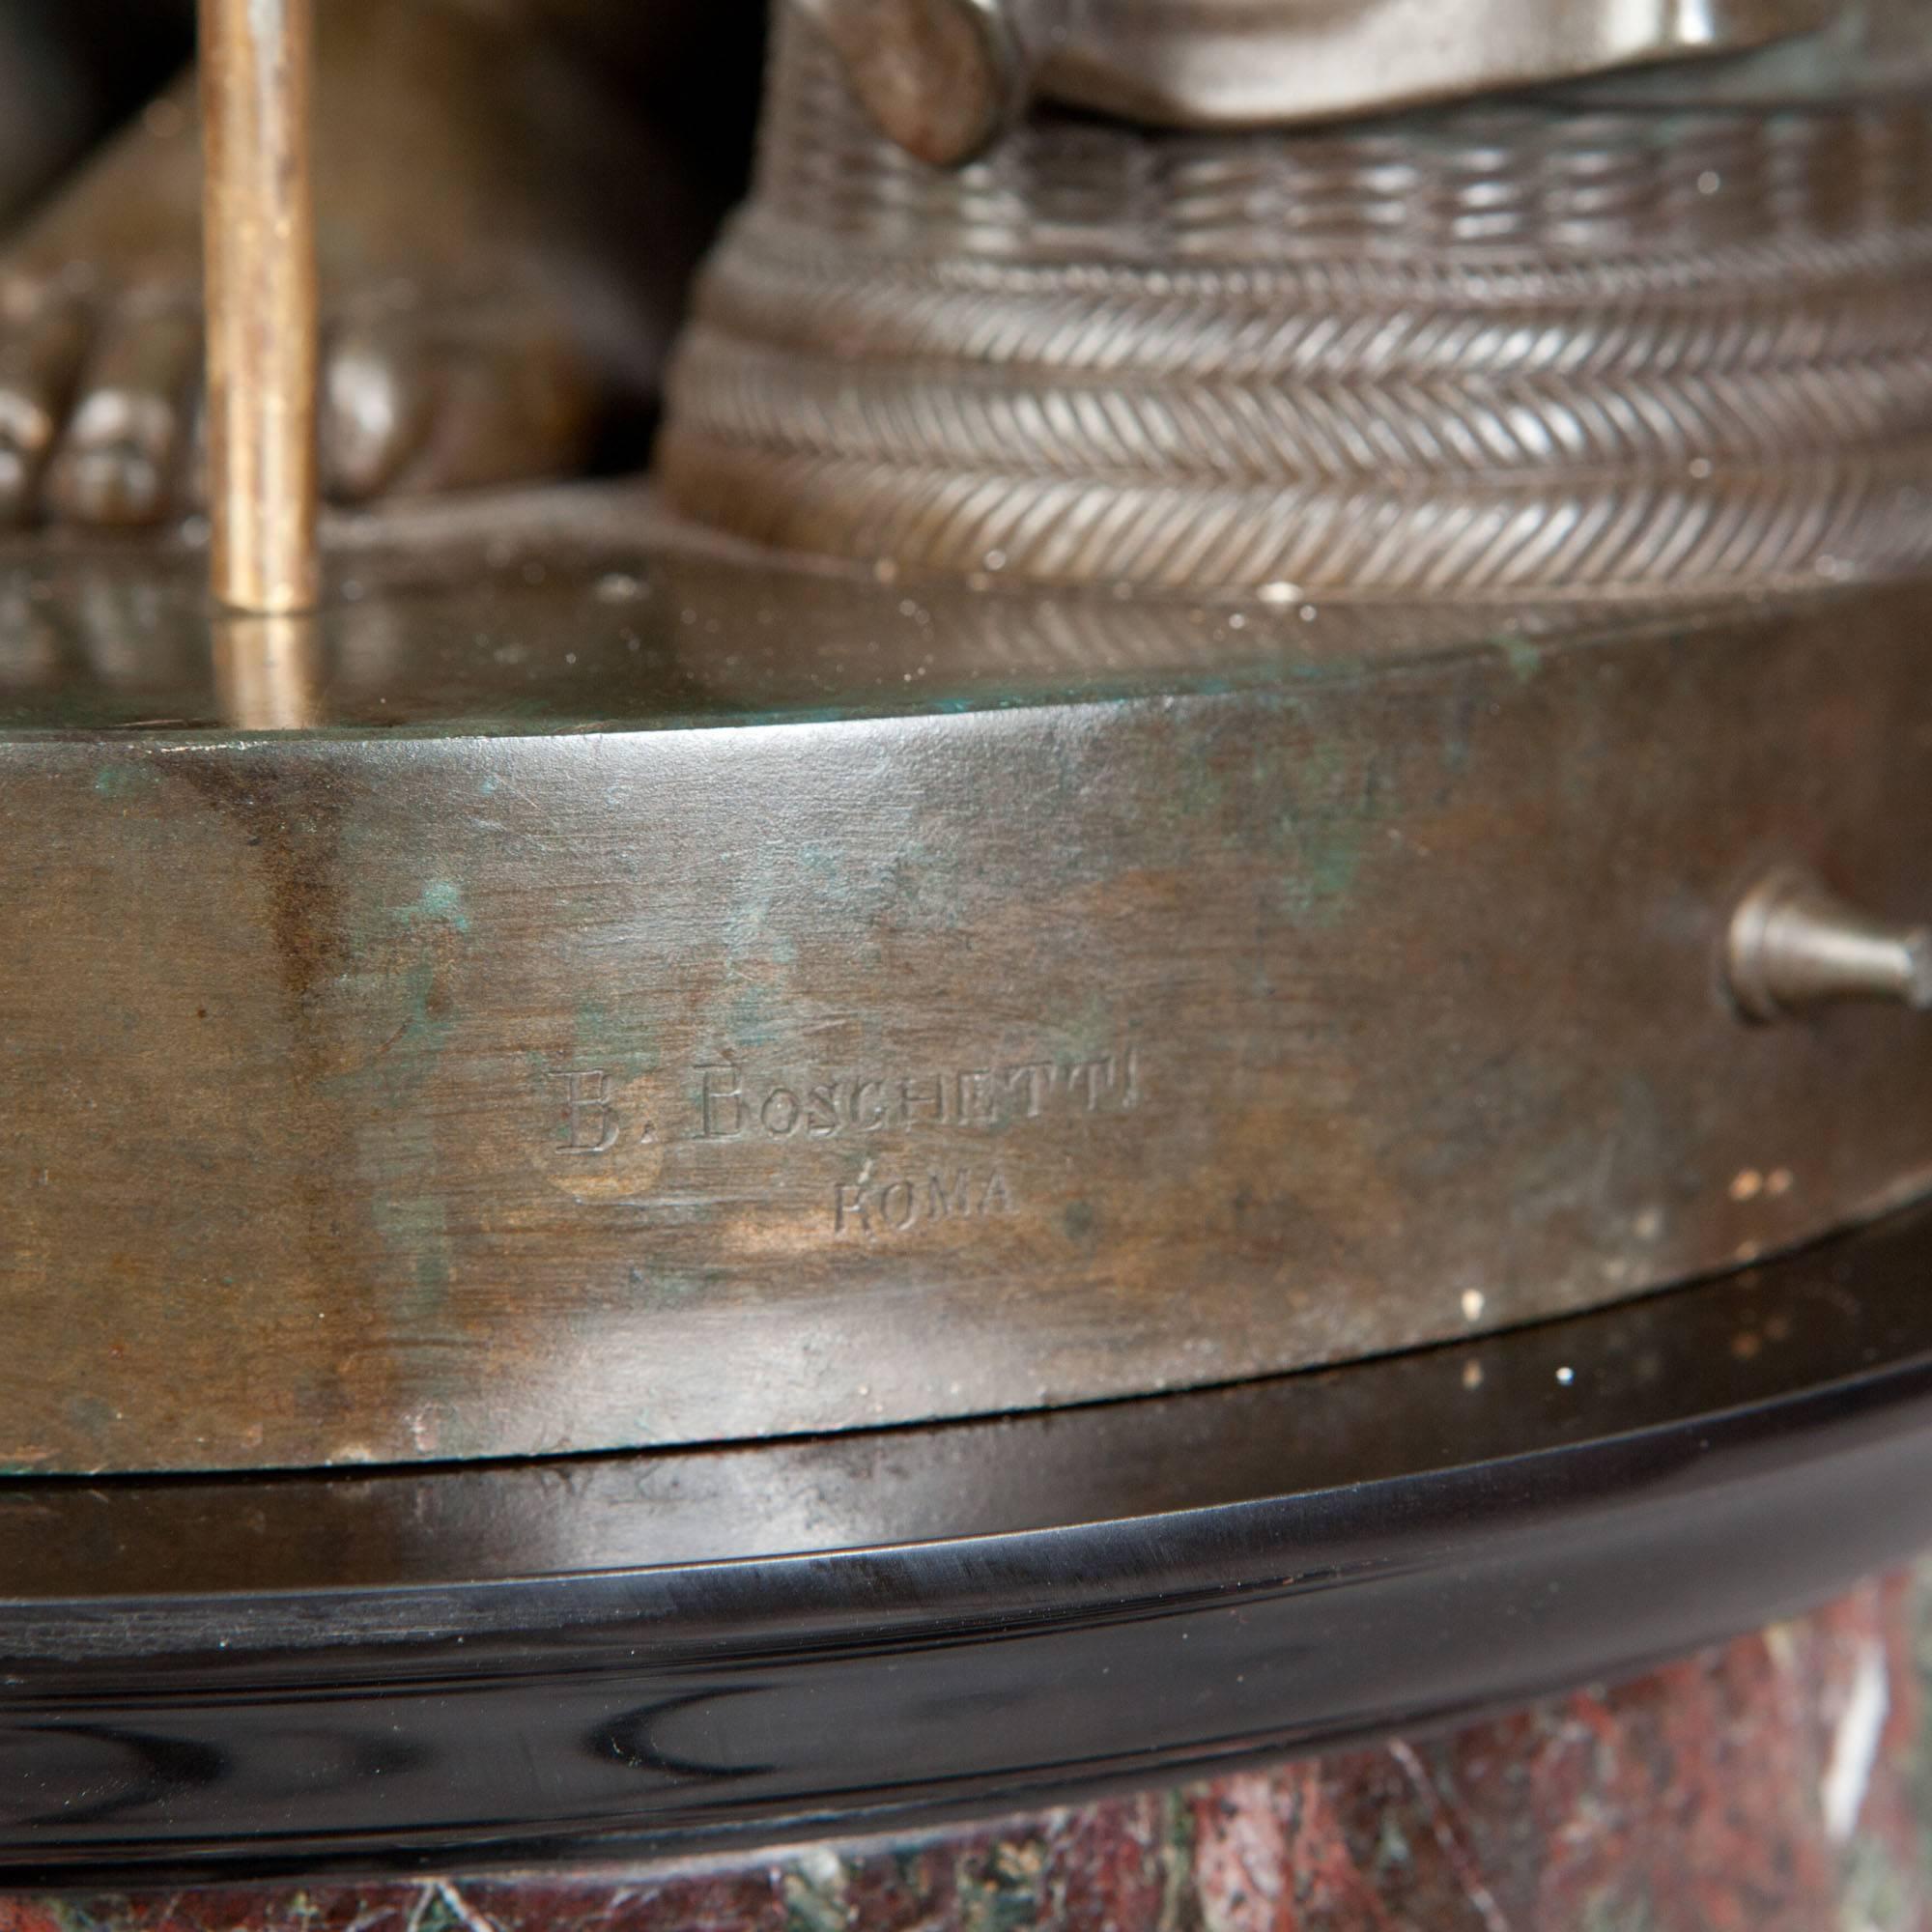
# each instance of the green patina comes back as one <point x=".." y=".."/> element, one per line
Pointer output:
<point x="92" y="1416"/>
<point x="1093" y="1031"/>
<point x="1308" y="799"/>
<point x="397" y="1149"/>
<point x="619" y="1040"/>
<point x="754" y="936"/>
<point x="667" y="1285"/>
<point x="820" y="863"/>
<point x="440" y="904"/>
<point x="1335" y="800"/>
<point x="930" y="882"/>
<point x="123" y="780"/>
<point x="1523" y="657"/>
<point x="409" y="1054"/>
<point x="758" y="1015"/>
<point x="422" y="1019"/>
<point x="1319" y="889"/>
<point x="416" y="1228"/>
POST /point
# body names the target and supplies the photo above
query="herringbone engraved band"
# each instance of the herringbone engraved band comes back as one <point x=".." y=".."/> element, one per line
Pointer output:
<point x="1506" y="349"/>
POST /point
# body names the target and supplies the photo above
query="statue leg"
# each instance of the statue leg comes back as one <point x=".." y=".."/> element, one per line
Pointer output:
<point x="498" y="294"/>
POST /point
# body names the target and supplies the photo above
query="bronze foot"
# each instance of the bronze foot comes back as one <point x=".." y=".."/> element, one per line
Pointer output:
<point x="488" y="315"/>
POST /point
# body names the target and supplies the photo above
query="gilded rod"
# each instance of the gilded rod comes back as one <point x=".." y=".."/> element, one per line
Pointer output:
<point x="259" y="224"/>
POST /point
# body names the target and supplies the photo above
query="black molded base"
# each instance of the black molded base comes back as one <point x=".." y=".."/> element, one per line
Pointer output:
<point x="643" y="1654"/>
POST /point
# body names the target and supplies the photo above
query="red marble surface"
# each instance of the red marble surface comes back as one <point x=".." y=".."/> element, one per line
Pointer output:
<point x="1781" y="1784"/>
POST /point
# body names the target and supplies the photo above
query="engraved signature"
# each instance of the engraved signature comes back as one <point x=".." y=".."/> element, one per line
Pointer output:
<point x="870" y="1103"/>
<point x="728" y="1102"/>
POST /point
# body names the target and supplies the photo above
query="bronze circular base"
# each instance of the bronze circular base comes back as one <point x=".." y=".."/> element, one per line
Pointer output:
<point x="659" y="995"/>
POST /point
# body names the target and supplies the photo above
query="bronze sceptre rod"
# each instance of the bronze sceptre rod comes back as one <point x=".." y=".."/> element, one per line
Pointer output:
<point x="257" y="61"/>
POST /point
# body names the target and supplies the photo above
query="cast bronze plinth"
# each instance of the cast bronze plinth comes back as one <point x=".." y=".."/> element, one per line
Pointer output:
<point x="667" y="995"/>
<point x="1224" y="752"/>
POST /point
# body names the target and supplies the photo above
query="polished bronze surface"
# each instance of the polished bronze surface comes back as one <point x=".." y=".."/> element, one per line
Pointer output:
<point x="943" y="76"/>
<point x="1220" y="823"/>
<point x="1509" y="350"/>
<point x="670" y="996"/>
<point x="263" y="358"/>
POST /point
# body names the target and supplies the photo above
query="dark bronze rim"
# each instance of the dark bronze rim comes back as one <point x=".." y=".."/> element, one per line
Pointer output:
<point x="628" y="1653"/>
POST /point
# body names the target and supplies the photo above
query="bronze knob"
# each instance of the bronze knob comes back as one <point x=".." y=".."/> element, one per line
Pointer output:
<point x="1795" y="944"/>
